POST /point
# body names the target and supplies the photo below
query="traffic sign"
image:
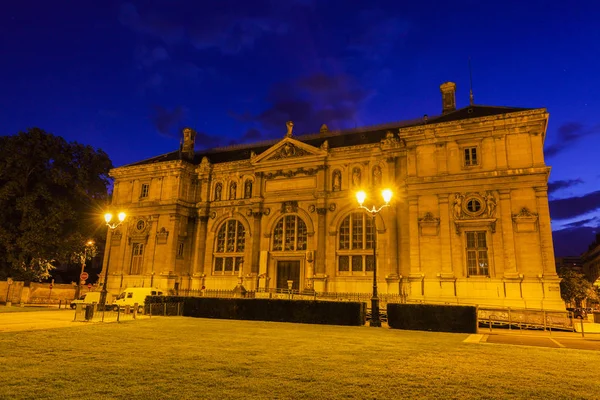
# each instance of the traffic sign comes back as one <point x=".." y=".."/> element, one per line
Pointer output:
<point x="89" y="285"/>
<point x="82" y="282"/>
<point x="50" y="286"/>
<point x="83" y="276"/>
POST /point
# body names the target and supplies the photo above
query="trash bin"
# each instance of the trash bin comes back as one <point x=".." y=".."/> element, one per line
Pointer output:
<point x="597" y="317"/>
<point x="89" y="312"/>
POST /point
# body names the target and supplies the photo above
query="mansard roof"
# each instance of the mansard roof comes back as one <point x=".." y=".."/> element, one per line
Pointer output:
<point x="341" y="138"/>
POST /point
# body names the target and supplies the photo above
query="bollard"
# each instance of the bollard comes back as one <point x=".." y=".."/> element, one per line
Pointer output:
<point x="165" y="310"/>
<point x="582" y="333"/>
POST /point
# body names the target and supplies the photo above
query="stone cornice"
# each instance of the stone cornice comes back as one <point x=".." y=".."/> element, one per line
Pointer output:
<point x="163" y="168"/>
<point x="447" y="126"/>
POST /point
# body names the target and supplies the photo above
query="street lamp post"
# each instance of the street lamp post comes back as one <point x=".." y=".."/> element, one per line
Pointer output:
<point x="387" y="197"/>
<point x="111" y="227"/>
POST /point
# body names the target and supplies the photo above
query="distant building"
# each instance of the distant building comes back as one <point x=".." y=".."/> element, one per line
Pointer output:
<point x="469" y="222"/>
<point x="574" y="263"/>
<point x="591" y="261"/>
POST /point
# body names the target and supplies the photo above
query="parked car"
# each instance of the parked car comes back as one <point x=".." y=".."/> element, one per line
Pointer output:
<point x="131" y="296"/>
<point x="90" y="298"/>
<point x="577" y="313"/>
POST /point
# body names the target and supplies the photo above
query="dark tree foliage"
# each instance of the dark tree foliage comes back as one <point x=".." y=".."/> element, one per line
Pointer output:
<point x="51" y="195"/>
<point x="574" y="288"/>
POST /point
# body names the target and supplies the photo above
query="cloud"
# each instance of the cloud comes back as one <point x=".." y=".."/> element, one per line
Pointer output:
<point x="206" y="141"/>
<point x="229" y="27"/>
<point x="582" y="223"/>
<point x="149" y="57"/>
<point x="166" y="121"/>
<point x="558" y="185"/>
<point x="311" y="101"/>
<point x="573" y="241"/>
<point x="251" y="135"/>
<point x="569" y="133"/>
<point x="377" y="40"/>
<point x="152" y="24"/>
<point x="232" y="34"/>
<point x="572" y="207"/>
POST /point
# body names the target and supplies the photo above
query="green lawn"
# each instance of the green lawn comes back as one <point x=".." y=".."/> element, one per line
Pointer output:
<point x="188" y="358"/>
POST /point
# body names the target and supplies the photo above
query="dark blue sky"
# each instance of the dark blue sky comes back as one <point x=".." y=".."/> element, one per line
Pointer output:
<point x="127" y="76"/>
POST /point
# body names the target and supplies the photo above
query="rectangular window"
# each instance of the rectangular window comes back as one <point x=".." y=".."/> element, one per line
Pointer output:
<point x="137" y="258"/>
<point x="145" y="190"/>
<point x="345" y="235"/>
<point x="477" y="254"/>
<point x="471" y="156"/>
<point x="219" y="264"/>
<point x="357" y="231"/>
<point x="344" y="264"/>
<point x="357" y="263"/>
<point x="229" y="264"/>
<point x="180" y="250"/>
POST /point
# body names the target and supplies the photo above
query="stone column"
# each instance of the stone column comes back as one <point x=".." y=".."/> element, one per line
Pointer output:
<point x="445" y="230"/>
<point x="256" y="235"/>
<point x="508" y="237"/>
<point x="547" y="247"/>
<point x="198" y="260"/>
<point x="321" y="240"/>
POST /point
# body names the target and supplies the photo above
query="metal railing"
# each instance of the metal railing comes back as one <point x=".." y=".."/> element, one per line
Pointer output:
<point x="507" y="318"/>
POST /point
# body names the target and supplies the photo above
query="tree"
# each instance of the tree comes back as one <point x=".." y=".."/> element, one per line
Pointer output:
<point x="574" y="288"/>
<point x="51" y="192"/>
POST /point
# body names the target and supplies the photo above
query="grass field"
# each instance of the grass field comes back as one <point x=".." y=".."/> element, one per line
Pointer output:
<point x="188" y="358"/>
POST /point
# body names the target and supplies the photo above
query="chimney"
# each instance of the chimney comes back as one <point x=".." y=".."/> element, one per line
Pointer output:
<point x="189" y="140"/>
<point x="448" y="90"/>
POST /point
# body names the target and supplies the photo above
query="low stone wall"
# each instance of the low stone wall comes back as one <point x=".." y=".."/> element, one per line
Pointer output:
<point x="35" y="293"/>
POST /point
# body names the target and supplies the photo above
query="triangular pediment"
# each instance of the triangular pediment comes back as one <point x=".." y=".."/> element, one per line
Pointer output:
<point x="289" y="150"/>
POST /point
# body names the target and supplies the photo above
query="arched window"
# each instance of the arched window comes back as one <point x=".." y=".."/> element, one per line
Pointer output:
<point x="355" y="245"/>
<point x="289" y="234"/>
<point x="229" y="249"/>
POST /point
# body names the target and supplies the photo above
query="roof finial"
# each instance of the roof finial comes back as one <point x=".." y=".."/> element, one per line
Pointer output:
<point x="471" y="100"/>
<point x="290" y="126"/>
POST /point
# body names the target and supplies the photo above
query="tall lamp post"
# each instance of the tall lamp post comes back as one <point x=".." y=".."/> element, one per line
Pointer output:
<point x="387" y="197"/>
<point x="108" y="217"/>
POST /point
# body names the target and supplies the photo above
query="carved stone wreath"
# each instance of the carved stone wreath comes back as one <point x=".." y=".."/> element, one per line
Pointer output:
<point x="288" y="150"/>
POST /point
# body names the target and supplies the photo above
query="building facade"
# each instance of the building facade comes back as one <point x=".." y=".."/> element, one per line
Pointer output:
<point x="468" y="223"/>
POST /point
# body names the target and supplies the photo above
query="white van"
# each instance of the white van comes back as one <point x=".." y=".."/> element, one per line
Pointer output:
<point x="90" y="298"/>
<point x="132" y="296"/>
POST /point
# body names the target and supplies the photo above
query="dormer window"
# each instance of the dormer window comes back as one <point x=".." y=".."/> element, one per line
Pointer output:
<point x="471" y="157"/>
<point x="144" y="191"/>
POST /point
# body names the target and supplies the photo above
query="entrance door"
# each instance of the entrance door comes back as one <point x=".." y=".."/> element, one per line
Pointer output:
<point x="288" y="271"/>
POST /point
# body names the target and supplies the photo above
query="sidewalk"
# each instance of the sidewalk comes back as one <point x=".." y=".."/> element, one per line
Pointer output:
<point x="589" y="340"/>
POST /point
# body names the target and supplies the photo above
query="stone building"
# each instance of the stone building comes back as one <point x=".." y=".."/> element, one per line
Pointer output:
<point x="468" y="224"/>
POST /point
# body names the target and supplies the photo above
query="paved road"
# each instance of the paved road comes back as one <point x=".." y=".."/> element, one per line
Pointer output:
<point x="570" y="340"/>
<point x="25" y="321"/>
<point x="33" y="320"/>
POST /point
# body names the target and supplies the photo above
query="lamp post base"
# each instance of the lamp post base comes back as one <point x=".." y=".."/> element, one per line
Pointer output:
<point x="375" y="318"/>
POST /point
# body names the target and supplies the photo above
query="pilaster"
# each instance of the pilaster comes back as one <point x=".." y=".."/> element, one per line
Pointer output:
<point x="446" y="247"/>
<point x="545" y="231"/>
<point x="413" y="228"/>
<point x="508" y="238"/>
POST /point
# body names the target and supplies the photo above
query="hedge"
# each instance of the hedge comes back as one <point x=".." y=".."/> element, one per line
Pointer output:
<point x="428" y="317"/>
<point x="279" y="310"/>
